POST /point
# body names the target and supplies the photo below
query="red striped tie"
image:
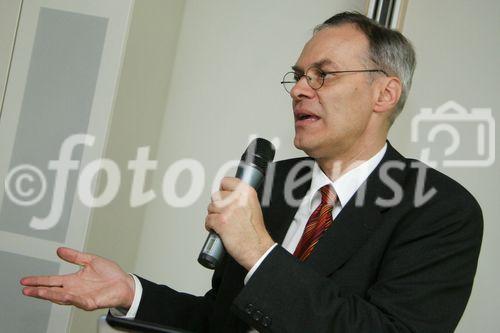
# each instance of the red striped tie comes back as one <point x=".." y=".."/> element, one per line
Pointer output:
<point x="319" y="221"/>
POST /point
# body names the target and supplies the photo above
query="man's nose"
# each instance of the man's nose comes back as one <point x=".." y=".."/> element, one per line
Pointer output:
<point x="302" y="89"/>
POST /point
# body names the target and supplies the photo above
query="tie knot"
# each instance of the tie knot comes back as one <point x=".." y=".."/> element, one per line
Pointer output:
<point x="328" y="195"/>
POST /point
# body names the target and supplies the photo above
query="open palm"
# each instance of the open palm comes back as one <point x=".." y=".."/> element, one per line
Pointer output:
<point x="100" y="283"/>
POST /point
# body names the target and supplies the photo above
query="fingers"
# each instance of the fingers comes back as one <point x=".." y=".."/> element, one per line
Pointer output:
<point x="60" y="296"/>
<point x="232" y="197"/>
<point x="212" y="222"/>
<point x="54" y="294"/>
<point x="221" y="195"/>
<point x="67" y="254"/>
<point x="235" y="185"/>
<point x="74" y="256"/>
<point x="46" y="281"/>
<point x="208" y="222"/>
<point x="229" y="183"/>
<point x="224" y="199"/>
<point x="213" y="209"/>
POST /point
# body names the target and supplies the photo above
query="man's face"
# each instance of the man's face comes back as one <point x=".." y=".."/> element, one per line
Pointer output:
<point x="335" y="119"/>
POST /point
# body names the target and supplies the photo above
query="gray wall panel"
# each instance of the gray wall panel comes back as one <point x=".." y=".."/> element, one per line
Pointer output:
<point x="57" y="103"/>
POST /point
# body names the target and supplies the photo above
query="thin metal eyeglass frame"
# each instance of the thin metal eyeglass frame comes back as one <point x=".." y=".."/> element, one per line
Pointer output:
<point x="283" y="82"/>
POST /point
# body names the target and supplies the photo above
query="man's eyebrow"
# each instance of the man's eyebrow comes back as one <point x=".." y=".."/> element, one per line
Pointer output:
<point x="318" y="64"/>
<point x="323" y="62"/>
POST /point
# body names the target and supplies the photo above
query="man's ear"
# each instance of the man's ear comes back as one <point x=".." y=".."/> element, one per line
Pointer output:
<point x="388" y="94"/>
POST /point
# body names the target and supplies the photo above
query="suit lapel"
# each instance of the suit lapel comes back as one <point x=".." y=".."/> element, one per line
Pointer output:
<point x="349" y="231"/>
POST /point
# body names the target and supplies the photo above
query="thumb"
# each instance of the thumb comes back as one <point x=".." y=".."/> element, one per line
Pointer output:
<point x="74" y="256"/>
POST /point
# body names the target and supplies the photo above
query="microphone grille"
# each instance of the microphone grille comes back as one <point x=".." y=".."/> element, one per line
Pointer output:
<point x="259" y="152"/>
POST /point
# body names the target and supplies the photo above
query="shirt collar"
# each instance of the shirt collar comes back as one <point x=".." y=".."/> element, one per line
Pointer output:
<point x="348" y="183"/>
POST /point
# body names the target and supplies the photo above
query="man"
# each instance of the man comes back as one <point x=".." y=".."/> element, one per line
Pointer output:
<point x="355" y="238"/>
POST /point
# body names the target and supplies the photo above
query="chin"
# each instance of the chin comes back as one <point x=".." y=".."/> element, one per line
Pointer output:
<point x="298" y="142"/>
<point x="304" y="145"/>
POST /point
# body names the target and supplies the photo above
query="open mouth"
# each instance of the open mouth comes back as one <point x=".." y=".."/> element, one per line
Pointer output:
<point x="306" y="117"/>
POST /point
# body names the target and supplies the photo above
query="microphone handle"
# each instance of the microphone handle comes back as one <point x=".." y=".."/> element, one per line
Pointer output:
<point x="213" y="249"/>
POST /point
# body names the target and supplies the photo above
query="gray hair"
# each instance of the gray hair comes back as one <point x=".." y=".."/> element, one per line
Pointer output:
<point x="388" y="49"/>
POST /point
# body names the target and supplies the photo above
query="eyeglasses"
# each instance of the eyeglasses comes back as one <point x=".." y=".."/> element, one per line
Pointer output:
<point x="315" y="77"/>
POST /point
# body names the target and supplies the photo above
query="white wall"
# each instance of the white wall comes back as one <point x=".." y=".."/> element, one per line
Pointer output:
<point x="114" y="230"/>
<point x="225" y="86"/>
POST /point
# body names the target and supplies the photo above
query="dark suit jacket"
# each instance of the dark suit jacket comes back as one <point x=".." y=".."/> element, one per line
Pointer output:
<point x="401" y="266"/>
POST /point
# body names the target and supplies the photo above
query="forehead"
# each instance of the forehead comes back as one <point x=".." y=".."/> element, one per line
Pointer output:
<point x="342" y="46"/>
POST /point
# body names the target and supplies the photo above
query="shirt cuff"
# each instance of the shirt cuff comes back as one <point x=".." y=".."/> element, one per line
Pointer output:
<point x="257" y="264"/>
<point x="132" y="312"/>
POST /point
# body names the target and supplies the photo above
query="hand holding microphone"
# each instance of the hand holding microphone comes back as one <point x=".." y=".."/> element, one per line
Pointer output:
<point x="239" y="223"/>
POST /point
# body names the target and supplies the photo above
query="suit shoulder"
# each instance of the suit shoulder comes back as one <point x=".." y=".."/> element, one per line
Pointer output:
<point x="419" y="176"/>
<point x="447" y="190"/>
<point x="436" y="204"/>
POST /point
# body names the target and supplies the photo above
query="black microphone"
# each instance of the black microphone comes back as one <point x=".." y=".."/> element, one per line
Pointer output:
<point x="251" y="170"/>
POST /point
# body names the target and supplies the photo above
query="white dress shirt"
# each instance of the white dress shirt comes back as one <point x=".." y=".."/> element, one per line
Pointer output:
<point x="345" y="187"/>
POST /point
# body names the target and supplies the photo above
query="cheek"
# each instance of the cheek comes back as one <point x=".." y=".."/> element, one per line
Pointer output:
<point x="345" y="110"/>
<point x="340" y="97"/>
<point x="336" y="107"/>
